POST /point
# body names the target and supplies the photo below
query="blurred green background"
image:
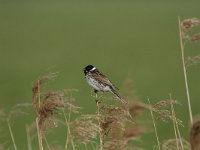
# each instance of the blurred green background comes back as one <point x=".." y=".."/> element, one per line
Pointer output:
<point x="136" y="39"/>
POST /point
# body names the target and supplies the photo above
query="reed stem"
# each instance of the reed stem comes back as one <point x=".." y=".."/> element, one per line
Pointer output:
<point x="184" y="70"/>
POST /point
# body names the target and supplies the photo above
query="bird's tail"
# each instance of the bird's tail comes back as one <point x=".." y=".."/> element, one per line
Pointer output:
<point x="118" y="96"/>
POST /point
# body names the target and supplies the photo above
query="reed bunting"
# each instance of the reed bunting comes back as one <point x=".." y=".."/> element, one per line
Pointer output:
<point x="100" y="82"/>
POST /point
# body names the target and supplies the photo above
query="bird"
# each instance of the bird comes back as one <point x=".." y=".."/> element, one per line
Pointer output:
<point x="99" y="82"/>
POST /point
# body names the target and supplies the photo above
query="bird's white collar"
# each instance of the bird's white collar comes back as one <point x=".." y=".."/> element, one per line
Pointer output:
<point x="94" y="68"/>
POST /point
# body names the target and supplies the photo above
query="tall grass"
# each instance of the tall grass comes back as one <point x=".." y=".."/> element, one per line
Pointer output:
<point x="112" y="127"/>
<point x="187" y="35"/>
<point x="184" y="68"/>
<point x="154" y="125"/>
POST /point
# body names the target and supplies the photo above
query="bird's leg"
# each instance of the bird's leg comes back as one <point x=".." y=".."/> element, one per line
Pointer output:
<point x="96" y="99"/>
<point x="96" y="96"/>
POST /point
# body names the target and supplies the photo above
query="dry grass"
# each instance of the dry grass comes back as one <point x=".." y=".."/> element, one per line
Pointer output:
<point x="154" y="124"/>
<point x="85" y="129"/>
<point x="171" y="144"/>
<point x="15" y="112"/>
<point x="185" y="33"/>
<point x="112" y="127"/>
<point x="30" y="133"/>
<point x="118" y="127"/>
<point x="47" y="104"/>
<point x="164" y="111"/>
<point x="188" y="32"/>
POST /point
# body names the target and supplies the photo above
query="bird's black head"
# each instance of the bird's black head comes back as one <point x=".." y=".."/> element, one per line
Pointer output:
<point x="88" y="68"/>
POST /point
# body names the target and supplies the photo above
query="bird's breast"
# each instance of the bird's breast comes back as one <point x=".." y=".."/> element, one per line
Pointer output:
<point x="97" y="85"/>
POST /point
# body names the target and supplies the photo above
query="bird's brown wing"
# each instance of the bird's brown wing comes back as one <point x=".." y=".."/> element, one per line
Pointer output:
<point x="102" y="78"/>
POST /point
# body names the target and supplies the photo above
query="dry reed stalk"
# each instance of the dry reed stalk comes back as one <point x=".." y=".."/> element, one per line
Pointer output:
<point x="28" y="138"/>
<point x="48" y="146"/>
<point x="176" y="127"/>
<point x="11" y="134"/>
<point x="171" y="144"/>
<point x="160" y="108"/>
<point x="67" y="121"/>
<point x="190" y="25"/>
<point x="39" y="133"/>
<point x="15" y="112"/>
<point x="31" y="134"/>
<point x="118" y="128"/>
<point x="154" y="124"/>
<point x="174" y="124"/>
<point x="39" y="129"/>
<point x="99" y="123"/>
<point x="47" y="104"/>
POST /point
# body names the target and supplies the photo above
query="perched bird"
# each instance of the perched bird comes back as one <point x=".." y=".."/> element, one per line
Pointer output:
<point x="100" y="82"/>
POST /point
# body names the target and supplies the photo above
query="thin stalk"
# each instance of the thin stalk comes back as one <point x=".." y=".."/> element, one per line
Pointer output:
<point x="179" y="135"/>
<point x="39" y="102"/>
<point x="11" y="134"/>
<point x="184" y="70"/>
<point x="154" y="124"/>
<point x="176" y="127"/>
<point x="174" y="124"/>
<point x="39" y="133"/>
<point x="28" y="138"/>
<point x="45" y="139"/>
<point x="99" y="122"/>
<point x="68" y="130"/>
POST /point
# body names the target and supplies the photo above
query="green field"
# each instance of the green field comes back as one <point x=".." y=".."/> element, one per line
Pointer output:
<point x="124" y="39"/>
